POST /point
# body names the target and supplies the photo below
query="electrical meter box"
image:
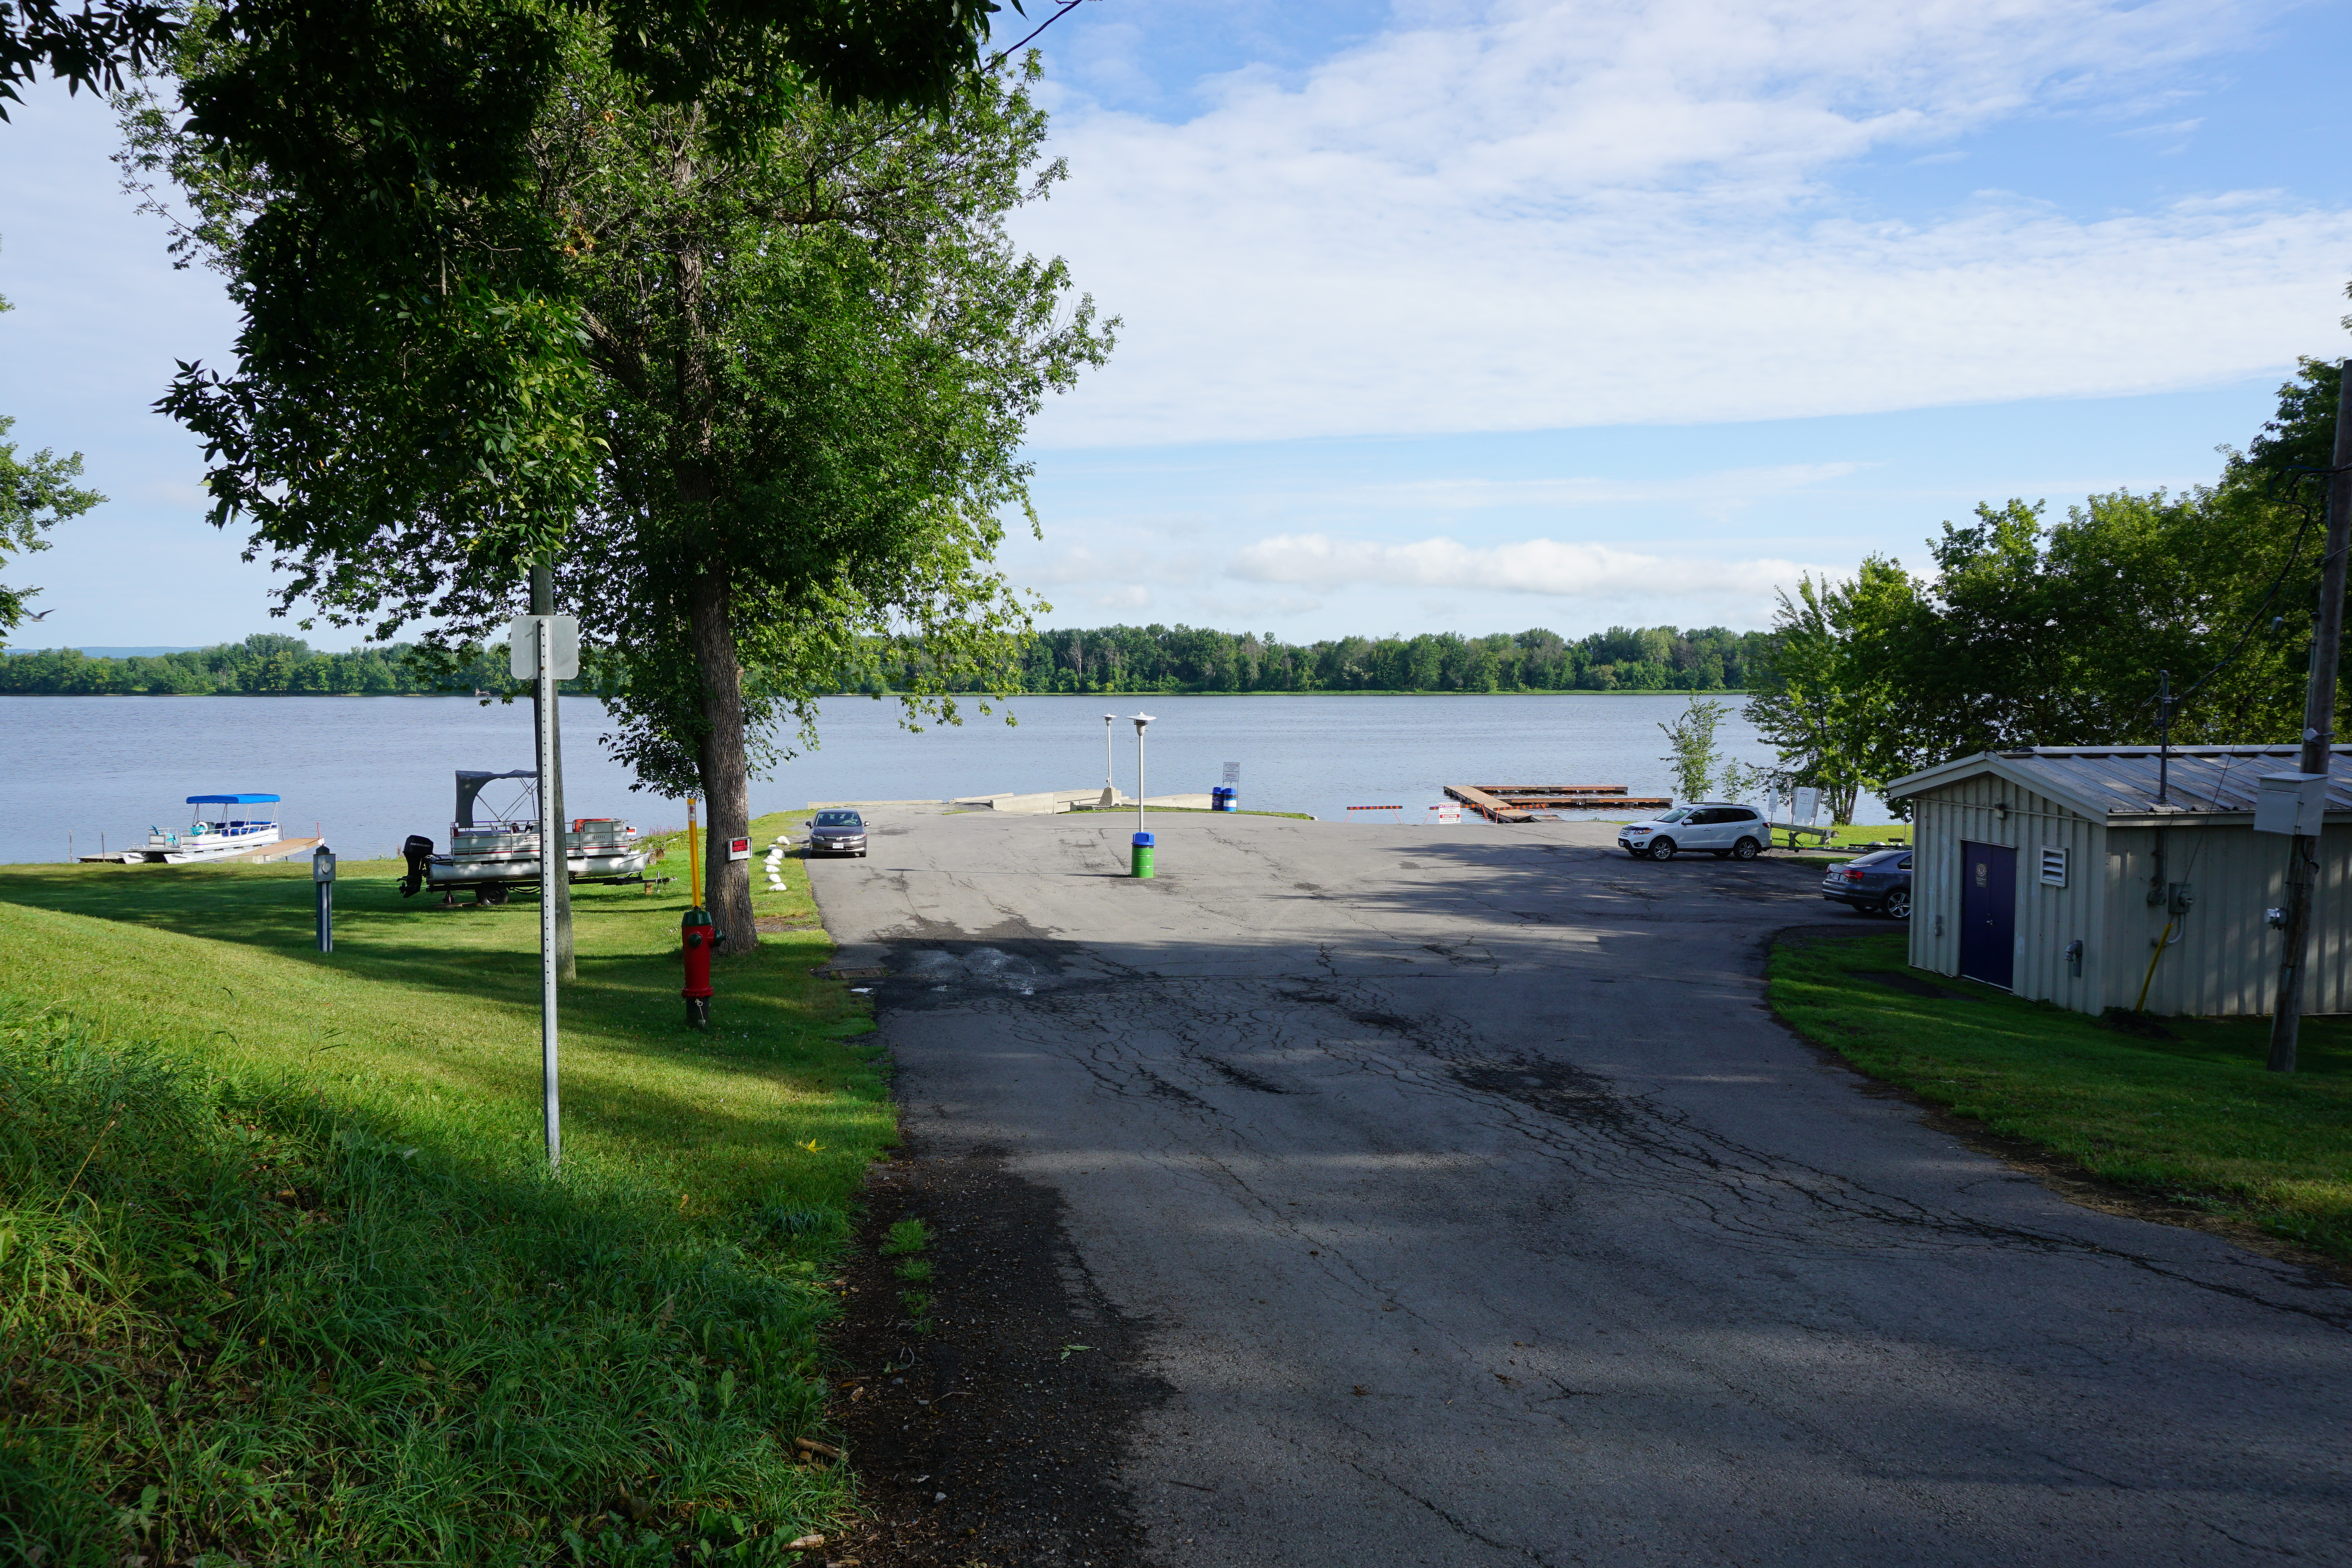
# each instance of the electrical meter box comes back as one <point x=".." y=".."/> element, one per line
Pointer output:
<point x="2290" y="803"/>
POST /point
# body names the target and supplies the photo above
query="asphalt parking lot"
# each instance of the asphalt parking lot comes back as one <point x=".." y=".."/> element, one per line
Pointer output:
<point x="1468" y="1207"/>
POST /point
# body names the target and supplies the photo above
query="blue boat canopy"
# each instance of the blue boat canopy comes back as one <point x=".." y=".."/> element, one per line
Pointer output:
<point x="233" y="799"/>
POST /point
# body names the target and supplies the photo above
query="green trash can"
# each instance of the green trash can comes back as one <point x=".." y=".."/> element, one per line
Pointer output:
<point x="1142" y="853"/>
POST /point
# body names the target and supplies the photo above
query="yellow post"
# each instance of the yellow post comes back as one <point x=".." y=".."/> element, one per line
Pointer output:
<point x="693" y="856"/>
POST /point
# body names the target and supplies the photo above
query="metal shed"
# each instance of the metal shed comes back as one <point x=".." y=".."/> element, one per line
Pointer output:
<point x="2019" y="855"/>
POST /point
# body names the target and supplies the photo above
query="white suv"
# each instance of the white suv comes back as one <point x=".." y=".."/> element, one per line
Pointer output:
<point x="1717" y="827"/>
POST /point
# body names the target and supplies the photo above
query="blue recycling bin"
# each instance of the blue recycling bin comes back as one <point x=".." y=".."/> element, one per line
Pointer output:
<point x="1223" y="797"/>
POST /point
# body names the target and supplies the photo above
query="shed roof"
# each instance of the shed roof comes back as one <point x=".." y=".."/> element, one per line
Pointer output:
<point x="2111" y="782"/>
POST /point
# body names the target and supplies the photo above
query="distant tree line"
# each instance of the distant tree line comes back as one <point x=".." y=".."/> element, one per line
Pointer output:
<point x="1196" y="658"/>
<point x="2035" y="631"/>
<point x="265" y="663"/>
<point x="1108" y="658"/>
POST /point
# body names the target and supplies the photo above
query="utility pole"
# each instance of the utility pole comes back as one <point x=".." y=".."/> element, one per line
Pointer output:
<point x="2318" y="731"/>
<point x="551" y="779"/>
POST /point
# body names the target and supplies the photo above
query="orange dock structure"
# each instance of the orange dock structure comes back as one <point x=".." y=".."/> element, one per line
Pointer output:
<point x="1530" y="803"/>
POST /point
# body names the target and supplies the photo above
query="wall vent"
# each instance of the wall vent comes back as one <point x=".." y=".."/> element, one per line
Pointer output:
<point x="2053" y="867"/>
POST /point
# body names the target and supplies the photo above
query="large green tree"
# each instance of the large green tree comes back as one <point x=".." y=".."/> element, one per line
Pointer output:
<point x="1824" y="694"/>
<point x="798" y="353"/>
<point x="2031" y="632"/>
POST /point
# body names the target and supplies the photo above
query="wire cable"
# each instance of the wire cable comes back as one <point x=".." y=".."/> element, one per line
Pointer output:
<point x="1003" y="55"/>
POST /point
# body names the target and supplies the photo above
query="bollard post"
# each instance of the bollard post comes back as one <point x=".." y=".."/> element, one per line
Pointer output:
<point x="323" y="880"/>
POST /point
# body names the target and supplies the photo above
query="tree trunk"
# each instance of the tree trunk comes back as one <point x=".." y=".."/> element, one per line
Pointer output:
<point x="726" y="776"/>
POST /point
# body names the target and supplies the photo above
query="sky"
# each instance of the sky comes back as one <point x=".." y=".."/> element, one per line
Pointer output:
<point x="1481" y="317"/>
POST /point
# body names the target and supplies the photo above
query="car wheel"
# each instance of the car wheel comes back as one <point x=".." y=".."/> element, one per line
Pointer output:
<point x="1746" y="849"/>
<point x="1898" y="904"/>
<point x="1662" y="849"/>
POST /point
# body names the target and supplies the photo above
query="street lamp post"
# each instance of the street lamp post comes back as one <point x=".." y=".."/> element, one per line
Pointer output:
<point x="1110" y="794"/>
<point x="1141" y="862"/>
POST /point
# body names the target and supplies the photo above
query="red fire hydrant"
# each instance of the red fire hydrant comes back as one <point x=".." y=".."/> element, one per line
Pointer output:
<point x="700" y="940"/>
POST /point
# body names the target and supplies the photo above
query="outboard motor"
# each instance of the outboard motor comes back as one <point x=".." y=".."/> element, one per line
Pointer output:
<point x="416" y="852"/>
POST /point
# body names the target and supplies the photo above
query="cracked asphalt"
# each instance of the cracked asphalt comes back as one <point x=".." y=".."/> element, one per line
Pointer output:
<point x="1473" y="1209"/>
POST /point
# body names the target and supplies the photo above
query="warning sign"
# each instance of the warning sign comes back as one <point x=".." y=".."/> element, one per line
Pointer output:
<point x="739" y="849"/>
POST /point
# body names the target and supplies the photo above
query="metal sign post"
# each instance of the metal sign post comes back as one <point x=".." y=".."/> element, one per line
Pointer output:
<point x="546" y="648"/>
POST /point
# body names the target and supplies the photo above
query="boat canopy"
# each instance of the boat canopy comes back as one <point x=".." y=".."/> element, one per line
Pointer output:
<point x="233" y="799"/>
<point x="471" y="783"/>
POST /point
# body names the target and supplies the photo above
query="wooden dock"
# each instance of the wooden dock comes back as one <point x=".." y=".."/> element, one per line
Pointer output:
<point x="284" y="849"/>
<point x="1530" y="803"/>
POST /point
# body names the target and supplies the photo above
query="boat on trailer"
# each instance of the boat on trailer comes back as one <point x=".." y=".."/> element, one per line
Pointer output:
<point x="236" y="827"/>
<point x="494" y="842"/>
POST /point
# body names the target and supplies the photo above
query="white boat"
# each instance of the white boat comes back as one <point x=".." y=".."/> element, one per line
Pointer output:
<point x="497" y="850"/>
<point x="233" y="828"/>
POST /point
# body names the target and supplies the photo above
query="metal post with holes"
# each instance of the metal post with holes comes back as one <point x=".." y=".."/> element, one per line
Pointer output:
<point x="546" y="649"/>
<point x="2318" y="733"/>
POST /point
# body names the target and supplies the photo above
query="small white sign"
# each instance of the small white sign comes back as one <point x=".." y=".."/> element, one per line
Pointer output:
<point x="1447" y="813"/>
<point x="522" y="646"/>
<point x="1807" y="805"/>
<point x="739" y="849"/>
<point x="1233" y="773"/>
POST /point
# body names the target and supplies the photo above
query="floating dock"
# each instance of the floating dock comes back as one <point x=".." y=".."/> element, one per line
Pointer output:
<point x="1531" y="802"/>
<point x="283" y="849"/>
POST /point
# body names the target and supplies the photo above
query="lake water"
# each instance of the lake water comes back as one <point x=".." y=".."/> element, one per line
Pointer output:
<point x="373" y="770"/>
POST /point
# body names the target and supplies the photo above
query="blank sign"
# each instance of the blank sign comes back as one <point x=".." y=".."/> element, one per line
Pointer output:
<point x="522" y="646"/>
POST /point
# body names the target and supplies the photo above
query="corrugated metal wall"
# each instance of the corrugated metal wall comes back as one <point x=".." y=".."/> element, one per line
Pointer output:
<point x="2225" y="960"/>
<point x="2048" y="918"/>
<point x="2225" y="957"/>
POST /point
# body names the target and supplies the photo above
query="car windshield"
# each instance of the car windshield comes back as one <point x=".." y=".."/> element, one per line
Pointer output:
<point x="1674" y="815"/>
<point x="838" y="819"/>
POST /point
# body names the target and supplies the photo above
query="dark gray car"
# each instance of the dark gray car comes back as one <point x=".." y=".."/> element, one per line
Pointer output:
<point x="838" y="832"/>
<point x="1877" y="884"/>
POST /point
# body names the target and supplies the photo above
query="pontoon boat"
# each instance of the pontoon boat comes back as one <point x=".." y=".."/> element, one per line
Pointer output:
<point x="500" y="851"/>
<point x="218" y="836"/>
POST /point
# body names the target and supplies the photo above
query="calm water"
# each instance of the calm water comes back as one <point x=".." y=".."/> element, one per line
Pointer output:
<point x="373" y="770"/>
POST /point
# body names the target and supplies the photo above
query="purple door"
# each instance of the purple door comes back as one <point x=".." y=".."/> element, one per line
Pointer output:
<point x="1988" y="913"/>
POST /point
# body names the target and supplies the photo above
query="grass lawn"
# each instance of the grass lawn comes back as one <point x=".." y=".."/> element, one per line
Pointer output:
<point x="2197" y="1119"/>
<point x="283" y="1275"/>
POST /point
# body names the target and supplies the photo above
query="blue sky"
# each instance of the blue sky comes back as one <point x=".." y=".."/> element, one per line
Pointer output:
<point x="1484" y="316"/>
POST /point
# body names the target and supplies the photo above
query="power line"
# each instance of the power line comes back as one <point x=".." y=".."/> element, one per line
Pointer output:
<point x="1003" y="55"/>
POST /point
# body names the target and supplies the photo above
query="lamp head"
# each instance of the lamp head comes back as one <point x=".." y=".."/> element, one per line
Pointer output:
<point x="1141" y="721"/>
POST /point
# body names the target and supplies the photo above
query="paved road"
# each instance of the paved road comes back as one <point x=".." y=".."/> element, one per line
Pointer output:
<point x="1481" y="1213"/>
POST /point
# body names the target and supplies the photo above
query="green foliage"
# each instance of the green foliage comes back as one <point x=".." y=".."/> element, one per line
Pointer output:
<point x="1198" y="658"/>
<point x="2197" y="1118"/>
<point x="2032" y="633"/>
<point x="86" y="47"/>
<point x="1691" y="748"/>
<point x="906" y="1235"/>
<point x="412" y="367"/>
<point x="1822" y="695"/>
<point x="263" y="664"/>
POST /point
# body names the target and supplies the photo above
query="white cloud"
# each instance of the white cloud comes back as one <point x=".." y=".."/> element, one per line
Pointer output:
<point x="1542" y="566"/>
<point x="1589" y="212"/>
